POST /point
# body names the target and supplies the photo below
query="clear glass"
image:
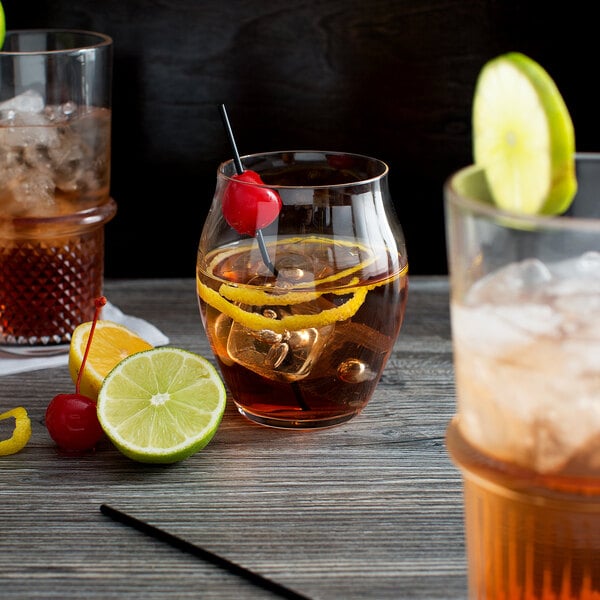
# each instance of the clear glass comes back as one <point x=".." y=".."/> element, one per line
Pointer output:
<point x="55" y="126"/>
<point x="302" y="343"/>
<point x="525" y="307"/>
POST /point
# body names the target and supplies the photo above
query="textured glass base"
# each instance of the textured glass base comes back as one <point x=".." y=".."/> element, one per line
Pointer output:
<point x="276" y="423"/>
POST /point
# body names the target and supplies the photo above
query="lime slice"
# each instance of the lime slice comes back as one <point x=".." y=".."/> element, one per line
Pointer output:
<point x="2" y="26"/>
<point x="161" y="405"/>
<point x="523" y="136"/>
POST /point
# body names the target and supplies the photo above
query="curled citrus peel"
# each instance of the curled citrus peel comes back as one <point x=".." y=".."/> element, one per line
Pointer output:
<point x="262" y="298"/>
<point x="257" y="321"/>
<point x="21" y="433"/>
<point x="230" y="299"/>
<point x="299" y="242"/>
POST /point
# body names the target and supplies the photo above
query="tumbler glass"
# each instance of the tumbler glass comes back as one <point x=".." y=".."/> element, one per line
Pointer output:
<point x="55" y="135"/>
<point x="525" y="308"/>
<point x="302" y="313"/>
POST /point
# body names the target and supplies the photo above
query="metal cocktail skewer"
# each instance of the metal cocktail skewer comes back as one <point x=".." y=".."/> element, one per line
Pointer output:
<point x="259" y="236"/>
<point x="240" y="169"/>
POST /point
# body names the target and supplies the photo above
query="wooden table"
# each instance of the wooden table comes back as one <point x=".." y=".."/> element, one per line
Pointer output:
<point x="368" y="509"/>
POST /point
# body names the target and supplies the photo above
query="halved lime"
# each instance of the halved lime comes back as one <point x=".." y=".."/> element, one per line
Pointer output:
<point x="161" y="405"/>
<point x="523" y="136"/>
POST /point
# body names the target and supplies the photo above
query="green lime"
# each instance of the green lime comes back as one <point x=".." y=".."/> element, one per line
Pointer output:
<point x="523" y="136"/>
<point x="161" y="405"/>
<point x="2" y="26"/>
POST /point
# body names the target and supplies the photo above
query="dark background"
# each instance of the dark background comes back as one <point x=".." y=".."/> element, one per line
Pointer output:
<point x="389" y="78"/>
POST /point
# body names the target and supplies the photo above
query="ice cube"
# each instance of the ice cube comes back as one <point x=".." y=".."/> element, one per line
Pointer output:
<point x="587" y="265"/>
<point x="510" y="282"/>
<point x="287" y="356"/>
<point x="505" y="327"/>
<point x="27" y="102"/>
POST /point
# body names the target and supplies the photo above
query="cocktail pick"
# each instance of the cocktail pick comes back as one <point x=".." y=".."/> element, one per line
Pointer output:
<point x="240" y="202"/>
<point x="234" y="211"/>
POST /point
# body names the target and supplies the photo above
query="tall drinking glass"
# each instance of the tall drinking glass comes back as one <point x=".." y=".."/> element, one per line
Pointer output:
<point x="525" y="306"/>
<point x="55" y="125"/>
<point x="303" y="315"/>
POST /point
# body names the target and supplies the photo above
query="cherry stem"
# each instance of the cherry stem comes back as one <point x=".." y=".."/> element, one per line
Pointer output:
<point x="99" y="303"/>
<point x="240" y="169"/>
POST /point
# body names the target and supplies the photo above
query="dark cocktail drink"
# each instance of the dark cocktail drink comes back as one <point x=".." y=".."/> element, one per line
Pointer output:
<point x="325" y="366"/>
<point x="303" y="315"/>
<point x="55" y="141"/>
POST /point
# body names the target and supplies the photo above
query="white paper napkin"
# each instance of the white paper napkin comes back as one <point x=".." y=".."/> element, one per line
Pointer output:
<point x="17" y="360"/>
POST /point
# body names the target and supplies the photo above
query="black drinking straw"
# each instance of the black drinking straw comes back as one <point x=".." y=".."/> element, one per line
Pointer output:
<point x="240" y="169"/>
<point x="215" y="559"/>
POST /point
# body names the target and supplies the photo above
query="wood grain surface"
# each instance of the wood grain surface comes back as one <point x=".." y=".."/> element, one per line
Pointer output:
<point x="368" y="509"/>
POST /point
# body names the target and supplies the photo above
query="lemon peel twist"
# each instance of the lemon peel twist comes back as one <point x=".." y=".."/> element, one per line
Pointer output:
<point x="230" y="299"/>
<point x="288" y="323"/>
<point x="21" y="433"/>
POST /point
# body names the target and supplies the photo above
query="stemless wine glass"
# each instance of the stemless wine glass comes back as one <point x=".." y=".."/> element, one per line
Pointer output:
<point x="302" y="315"/>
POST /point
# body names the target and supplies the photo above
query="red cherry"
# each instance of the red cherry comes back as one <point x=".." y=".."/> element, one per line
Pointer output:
<point x="71" y="419"/>
<point x="72" y="422"/>
<point x="250" y="207"/>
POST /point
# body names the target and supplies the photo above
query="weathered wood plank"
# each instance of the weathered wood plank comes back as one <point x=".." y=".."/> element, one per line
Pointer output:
<point x="368" y="509"/>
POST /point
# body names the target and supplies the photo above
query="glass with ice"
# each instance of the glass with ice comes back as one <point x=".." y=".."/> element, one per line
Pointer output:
<point x="55" y="126"/>
<point x="525" y="311"/>
<point x="302" y="282"/>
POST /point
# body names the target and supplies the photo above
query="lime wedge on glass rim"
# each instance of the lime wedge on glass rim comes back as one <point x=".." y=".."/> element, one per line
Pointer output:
<point x="2" y="26"/>
<point x="523" y="137"/>
<point x="161" y="405"/>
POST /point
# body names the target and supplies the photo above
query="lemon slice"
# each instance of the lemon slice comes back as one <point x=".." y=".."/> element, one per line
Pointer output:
<point x="161" y="405"/>
<point x="523" y="136"/>
<point x="111" y="343"/>
<point x="21" y="433"/>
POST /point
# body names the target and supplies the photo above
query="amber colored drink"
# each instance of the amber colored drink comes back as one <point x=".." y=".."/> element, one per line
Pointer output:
<point x="321" y="373"/>
<point x="54" y="201"/>
<point x="48" y="286"/>
<point x="55" y="162"/>
<point x="530" y="537"/>
<point x="525" y="308"/>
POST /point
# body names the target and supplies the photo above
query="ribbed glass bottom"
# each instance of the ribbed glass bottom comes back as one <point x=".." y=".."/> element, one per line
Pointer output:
<point x="48" y="287"/>
<point x="526" y="541"/>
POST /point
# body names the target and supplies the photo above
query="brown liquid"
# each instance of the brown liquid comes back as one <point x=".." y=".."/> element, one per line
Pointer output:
<point x="335" y="384"/>
<point x="54" y="203"/>
<point x="529" y="537"/>
<point x="48" y="287"/>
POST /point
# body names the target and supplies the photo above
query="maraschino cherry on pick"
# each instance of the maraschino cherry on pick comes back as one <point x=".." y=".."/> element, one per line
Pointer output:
<point x="71" y="419"/>
<point x="248" y="208"/>
<point x="248" y="205"/>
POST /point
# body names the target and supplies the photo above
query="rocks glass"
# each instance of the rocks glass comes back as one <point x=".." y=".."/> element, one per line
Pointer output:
<point x="525" y="302"/>
<point x="303" y="313"/>
<point x="55" y="126"/>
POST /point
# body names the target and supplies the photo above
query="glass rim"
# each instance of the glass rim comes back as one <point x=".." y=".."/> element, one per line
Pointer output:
<point x="554" y="222"/>
<point x="95" y="215"/>
<point x="384" y="169"/>
<point x="101" y="40"/>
